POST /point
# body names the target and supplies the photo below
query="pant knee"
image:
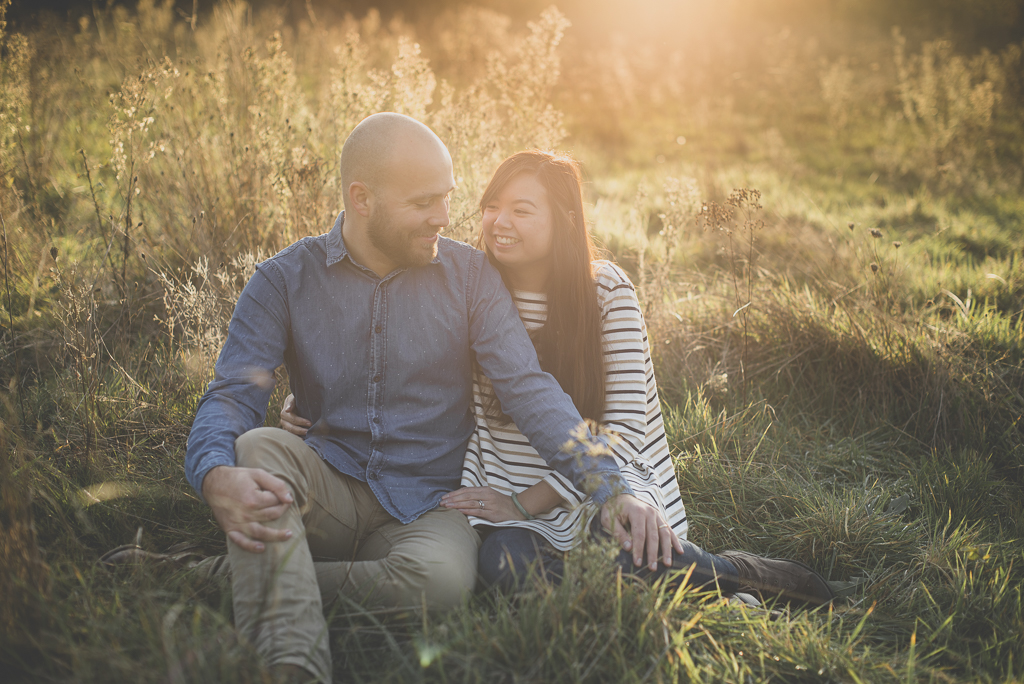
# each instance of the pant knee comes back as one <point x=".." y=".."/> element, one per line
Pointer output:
<point x="439" y="583"/>
<point x="449" y="585"/>
<point x="261" y="447"/>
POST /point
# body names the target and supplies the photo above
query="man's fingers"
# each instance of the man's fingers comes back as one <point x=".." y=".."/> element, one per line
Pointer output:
<point x="270" y="512"/>
<point x="677" y="543"/>
<point x="610" y="523"/>
<point x="260" y="499"/>
<point x="245" y="543"/>
<point x="652" y="539"/>
<point x="273" y="484"/>
<point x="263" y="533"/>
<point x="638" y="532"/>
<point x="621" y="534"/>
<point x="667" y="539"/>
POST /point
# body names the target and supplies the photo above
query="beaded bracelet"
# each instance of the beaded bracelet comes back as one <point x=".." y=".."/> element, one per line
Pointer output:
<point x="515" y="500"/>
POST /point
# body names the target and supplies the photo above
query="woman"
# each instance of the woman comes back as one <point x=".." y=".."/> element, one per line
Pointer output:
<point x="585" y="320"/>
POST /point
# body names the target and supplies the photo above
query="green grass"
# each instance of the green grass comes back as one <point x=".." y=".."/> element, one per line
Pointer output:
<point x="866" y="422"/>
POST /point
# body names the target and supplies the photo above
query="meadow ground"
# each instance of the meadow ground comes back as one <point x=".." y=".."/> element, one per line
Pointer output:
<point x="827" y="235"/>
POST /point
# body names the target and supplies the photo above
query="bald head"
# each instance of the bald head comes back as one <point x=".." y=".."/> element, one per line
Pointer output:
<point x="382" y="143"/>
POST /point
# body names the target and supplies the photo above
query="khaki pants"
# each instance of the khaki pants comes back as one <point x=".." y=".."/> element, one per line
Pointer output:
<point x="279" y="594"/>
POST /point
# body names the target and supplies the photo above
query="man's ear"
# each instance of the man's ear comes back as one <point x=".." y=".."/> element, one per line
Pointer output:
<point x="360" y="197"/>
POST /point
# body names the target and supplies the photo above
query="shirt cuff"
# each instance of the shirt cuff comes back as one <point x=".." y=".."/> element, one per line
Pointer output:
<point x="612" y="486"/>
<point x="202" y="470"/>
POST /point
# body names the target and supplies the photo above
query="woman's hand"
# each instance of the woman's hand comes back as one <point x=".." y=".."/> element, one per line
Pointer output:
<point x="295" y="424"/>
<point x="483" y="502"/>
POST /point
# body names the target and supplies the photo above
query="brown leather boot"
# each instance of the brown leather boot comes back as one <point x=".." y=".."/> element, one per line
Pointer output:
<point x="181" y="555"/>
<point x="790" y="581"/>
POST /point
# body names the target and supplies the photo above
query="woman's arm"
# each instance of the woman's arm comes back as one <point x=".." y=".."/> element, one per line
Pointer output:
<point x="492" y="505"/>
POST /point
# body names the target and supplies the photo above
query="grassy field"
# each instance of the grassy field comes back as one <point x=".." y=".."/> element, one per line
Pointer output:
<point x="827" y="227"/>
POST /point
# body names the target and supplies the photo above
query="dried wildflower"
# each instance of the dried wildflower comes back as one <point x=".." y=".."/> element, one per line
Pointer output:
<point x="850" y="225"/>
<point x="874" y="267"/>
<point x="875" y="233"/>
<point x="897" y="244"/>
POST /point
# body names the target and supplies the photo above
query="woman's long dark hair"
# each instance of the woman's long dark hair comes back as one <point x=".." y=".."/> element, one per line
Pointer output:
<point x="569" y="343"/>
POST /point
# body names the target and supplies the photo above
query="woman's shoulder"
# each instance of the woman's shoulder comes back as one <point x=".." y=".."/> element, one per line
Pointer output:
<point x="610" y="279"/>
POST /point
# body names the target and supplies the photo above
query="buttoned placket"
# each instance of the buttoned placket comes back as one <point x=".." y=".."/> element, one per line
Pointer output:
<point x="376" y="377"/>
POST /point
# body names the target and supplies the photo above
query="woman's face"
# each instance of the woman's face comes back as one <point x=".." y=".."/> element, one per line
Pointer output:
<point x="519" y="227"/>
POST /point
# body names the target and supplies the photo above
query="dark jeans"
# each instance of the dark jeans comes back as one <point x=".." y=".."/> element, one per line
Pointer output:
<point x="507" y="554"/>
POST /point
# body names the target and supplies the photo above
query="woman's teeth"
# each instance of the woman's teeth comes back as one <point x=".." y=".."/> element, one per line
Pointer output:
<point x="505" y="241"/>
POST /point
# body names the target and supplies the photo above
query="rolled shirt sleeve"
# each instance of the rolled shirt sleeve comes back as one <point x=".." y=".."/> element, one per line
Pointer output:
<point x="236" y="400"/>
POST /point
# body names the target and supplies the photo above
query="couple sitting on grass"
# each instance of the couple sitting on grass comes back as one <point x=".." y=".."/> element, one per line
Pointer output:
<point x="416" y="362"/>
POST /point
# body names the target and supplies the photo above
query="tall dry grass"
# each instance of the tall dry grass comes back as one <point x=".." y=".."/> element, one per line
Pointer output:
<point x="829" y="395"/>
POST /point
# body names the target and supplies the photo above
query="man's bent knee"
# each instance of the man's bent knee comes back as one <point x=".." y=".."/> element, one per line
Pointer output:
<point x="440" y="584"/>
<point x="266" y="447"/>
<point x="449" y="585"/>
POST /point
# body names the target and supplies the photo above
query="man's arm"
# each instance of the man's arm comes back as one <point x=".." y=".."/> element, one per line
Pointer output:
<point x="242" y="499"/>
<point x="532" y="397"/>
<point x="548" y="418"/>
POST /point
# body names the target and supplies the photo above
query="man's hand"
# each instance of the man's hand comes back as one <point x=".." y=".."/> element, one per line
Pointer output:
<point x="244" y="498"/>
<point x="497" y="507"/>
<point x="636" y="526"/>
<point x="290" y="421"/>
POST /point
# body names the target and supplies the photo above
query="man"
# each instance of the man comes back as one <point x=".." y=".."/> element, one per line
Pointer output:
<point x="378" y="323"/>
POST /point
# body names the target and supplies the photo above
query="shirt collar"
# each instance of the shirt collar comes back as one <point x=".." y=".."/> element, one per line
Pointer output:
<point x="336" y="249"/>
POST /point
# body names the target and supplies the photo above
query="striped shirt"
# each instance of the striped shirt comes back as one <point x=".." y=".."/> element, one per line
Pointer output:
<point x="500" y="457"/>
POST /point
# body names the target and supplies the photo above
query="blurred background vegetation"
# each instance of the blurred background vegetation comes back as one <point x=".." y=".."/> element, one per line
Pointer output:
<point x="819" y="201"/>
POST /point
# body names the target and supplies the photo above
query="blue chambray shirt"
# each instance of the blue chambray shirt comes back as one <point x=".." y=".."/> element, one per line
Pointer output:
<point x="382" y="368"/>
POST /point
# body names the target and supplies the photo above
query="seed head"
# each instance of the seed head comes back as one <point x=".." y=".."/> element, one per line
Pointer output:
<point x="874" y="267"/>
<point x="897" y="244"/>
<point x="850" y="225"/>
<point x="875" y="233"/>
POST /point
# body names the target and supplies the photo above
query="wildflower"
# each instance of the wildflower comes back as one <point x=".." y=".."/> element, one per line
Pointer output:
<point x="897" y="244"/>
<point x="850" y="225"/>
<point x="875" y="233"/>
<point x="874" y="267"/>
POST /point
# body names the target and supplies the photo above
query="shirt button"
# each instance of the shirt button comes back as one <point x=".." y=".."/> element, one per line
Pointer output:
<point x="376" y="419"/>
<point x="372" y="475"/>
<point x="376" y="378"/>
<point x="377" y="330"/>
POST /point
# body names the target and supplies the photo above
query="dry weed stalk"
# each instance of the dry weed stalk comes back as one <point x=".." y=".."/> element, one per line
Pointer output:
<point x="949" y="105"/>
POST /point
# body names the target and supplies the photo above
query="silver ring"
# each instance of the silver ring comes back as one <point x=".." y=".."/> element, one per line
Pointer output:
<point x="481" y="502"/>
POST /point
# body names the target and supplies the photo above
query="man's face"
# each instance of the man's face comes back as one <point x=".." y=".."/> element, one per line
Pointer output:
<point x="411" y="208"/>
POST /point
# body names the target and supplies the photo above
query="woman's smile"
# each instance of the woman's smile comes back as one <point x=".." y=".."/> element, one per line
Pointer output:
<point x="518" y="230"/>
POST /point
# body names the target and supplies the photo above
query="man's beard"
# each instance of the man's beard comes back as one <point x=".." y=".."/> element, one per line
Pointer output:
<point x="396" y="245"/>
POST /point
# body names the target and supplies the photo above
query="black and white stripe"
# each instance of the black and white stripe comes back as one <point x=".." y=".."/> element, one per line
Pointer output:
<point x="499" y="456"/>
